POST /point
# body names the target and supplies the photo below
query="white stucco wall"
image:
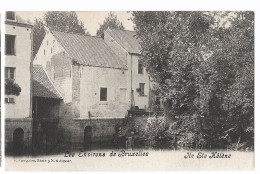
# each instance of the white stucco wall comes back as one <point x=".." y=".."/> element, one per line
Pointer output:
<point x="47" y="56"/>
<point x="22" y="62"/>
<point x="132" y="81"/>
<point x="92" y="79"/>
<point x="141" y="101"/>
<point x="51" y="47"/>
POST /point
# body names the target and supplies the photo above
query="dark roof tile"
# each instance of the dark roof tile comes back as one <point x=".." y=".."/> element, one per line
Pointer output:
<point x="127" y="39"/>
<point x="42" y="86"/>
<point x="89" y="50"/>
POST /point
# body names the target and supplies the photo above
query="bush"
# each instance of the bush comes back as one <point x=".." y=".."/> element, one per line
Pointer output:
<point x="11" y="88"/>
<point x="157" y="133"/>
<point x="188" y="134"/>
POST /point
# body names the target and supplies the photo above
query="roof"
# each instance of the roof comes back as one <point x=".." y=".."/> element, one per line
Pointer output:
<point x="19" y="21"/>
<point x="89" y="50"/>
<point x="42" y="86"/>
<point x="127" y="39"/>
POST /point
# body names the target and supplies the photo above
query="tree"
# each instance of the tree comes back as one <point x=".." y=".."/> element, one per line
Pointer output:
<point x="172" y="45"/>
<point x="64" y="21"/>
<point x="236" y="47"/>
<point x="203" y="66"/>
<point x="59" y="21"/>
<point x="111" y="22"/>
<point x="38" y="35"/>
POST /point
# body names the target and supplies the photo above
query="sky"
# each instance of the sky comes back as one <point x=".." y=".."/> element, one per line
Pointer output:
<point x="91" y="19"/>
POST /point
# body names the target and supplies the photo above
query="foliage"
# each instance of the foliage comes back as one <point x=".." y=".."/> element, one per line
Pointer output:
<point x="64" y="21"/>
<point x="232" y="82"/>
<point x="172" y="43"/>
<point x="203" y="66"/>
<point x="187" y="133"/>
<point x="111" y="22"/>
<point x="38" y="35"/>
<point x="157" y="133"/>
<point x="12" y="88"/>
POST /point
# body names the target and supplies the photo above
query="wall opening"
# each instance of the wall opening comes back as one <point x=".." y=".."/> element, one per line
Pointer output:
<point x="87" y="137"/>
<point x="18" y="141"/>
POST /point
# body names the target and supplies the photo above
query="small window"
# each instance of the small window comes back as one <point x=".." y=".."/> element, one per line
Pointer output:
<point x="44" y="52"/>
<point x="9" y="100"/>
<point x="141" y="86"/>
<point x="9" y="45"/>
<point x="10" y="73"/>
<point x="103" y="94"/>
<point x="140" y="67"/>
<point x="10" y="15"/>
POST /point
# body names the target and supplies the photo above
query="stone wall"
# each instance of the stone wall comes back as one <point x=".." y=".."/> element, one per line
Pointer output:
<point x="102" y="129"/>
<point x="71" y="131"/>
<point x="76" y="74"/>
<point x="10" y="126"/>
<point x="59" y="71"/>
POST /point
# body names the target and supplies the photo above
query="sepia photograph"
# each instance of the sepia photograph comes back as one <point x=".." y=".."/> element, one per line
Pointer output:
<point x="108" y="86"/>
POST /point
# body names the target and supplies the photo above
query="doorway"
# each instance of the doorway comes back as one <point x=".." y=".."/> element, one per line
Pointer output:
<point x="87" y="137"/>
<point x="18" y="141"/>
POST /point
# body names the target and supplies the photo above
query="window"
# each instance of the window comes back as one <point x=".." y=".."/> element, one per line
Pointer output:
<point x="9" y="100"/>
<point x="9" y="44"/>
<point x="141" y="86"/>
<point x="10" y="15"/>
<point x="10" y="73"/>
<point x="140" y="67"/>
<point x="103" y="94"/>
